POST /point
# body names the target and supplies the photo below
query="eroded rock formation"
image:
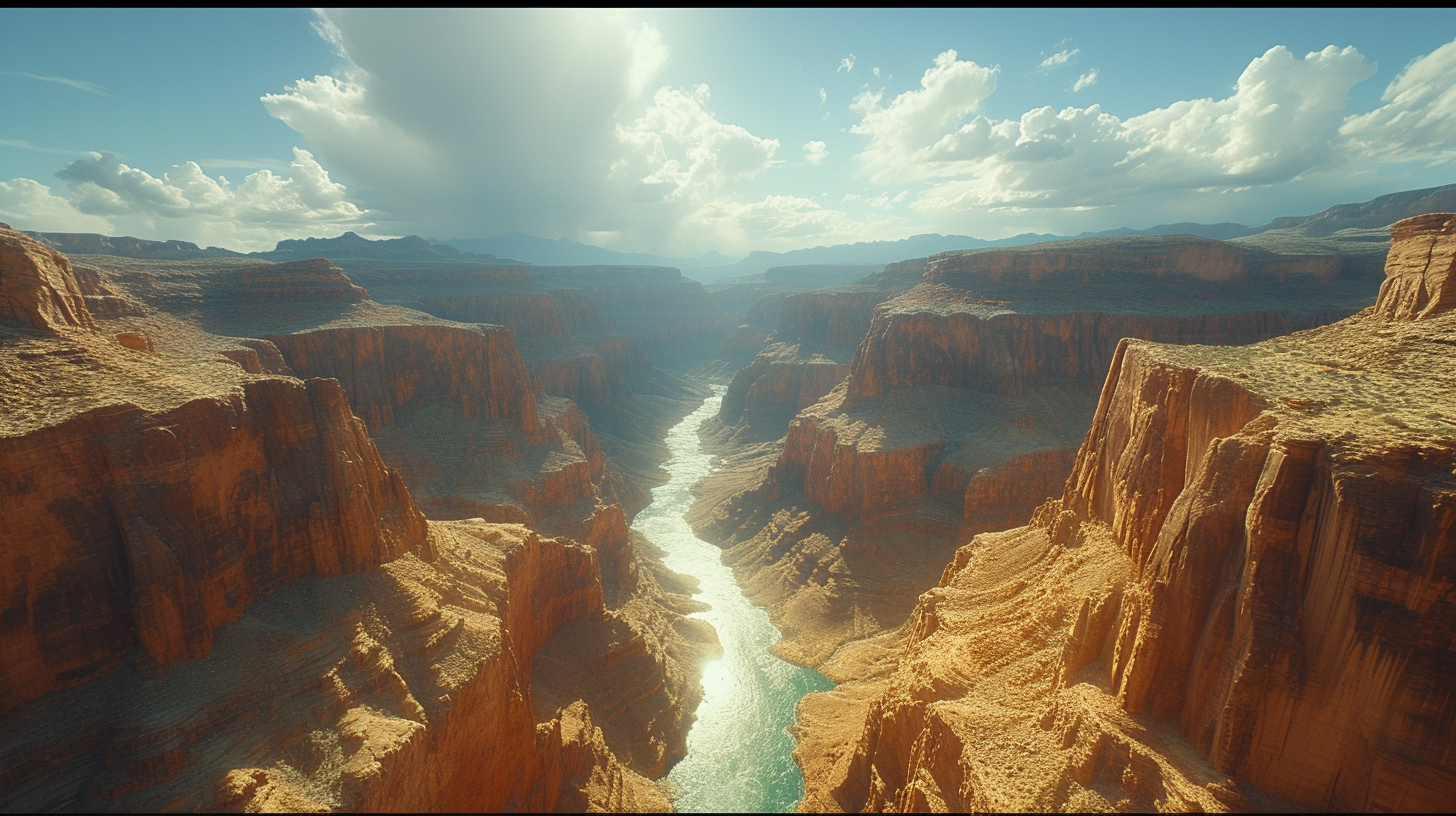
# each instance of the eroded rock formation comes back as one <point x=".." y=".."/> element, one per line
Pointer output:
<point x="963" y="407"/>
<point x="1244" y="592"/>
<point x="195" y="520"/>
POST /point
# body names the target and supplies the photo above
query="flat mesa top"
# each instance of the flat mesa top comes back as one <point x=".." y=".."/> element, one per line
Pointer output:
<point x="1366" y="379"/>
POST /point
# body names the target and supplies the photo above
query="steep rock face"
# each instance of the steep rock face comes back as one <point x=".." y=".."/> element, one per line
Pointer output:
<point x="477" y="371"/>
<point x="124" y="526"/>
<point x="963" y="407"/>
<point x="406" y="688"/>
<point x="1084" y="261"/>
<point x="38" y="290"/>
<point x="557" y="315"/>
<point x="403" y="681"/>
<point x="1419" y="280"/>
<point x="1244" y="591"/>
<point x="805" y="357"/>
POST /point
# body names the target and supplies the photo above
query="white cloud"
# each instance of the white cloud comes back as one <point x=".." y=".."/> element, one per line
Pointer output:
<point x="883" y="200"/>
<point x="846" y="64"/>
<point x="815" y="152"/>
<point x="105" y="195"/>
<point x="1418" y="121"/>
<point x="80" y="85"/>
<point x="1086" y="80"/>
<point x="474" y="123"/>
<point x="782" y="222"/>
<point x="823" y="96"/>
<point x="1059" y="58"/>
<point x="876" y="72"/>
<point x="29" y="205"/>
<point x="909" y="135"/>
<point x="678" y="149"/>
<point x="1284" y="122"/>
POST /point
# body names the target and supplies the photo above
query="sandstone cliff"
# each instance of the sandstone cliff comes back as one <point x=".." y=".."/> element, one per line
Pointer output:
<point x="37" y="288"/>
<point x="807" y="354"/>
<point x="180" y="509"/>
<point x="1244" y="592"/>
<point x="963" y="407"/>
<point x="406" y="688"/>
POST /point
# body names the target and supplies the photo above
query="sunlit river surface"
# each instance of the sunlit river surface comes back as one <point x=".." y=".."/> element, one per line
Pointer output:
<point x="739" y="747"/>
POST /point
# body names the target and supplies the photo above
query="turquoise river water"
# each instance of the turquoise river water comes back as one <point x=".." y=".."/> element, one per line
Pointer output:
<point x="739" y="747"/>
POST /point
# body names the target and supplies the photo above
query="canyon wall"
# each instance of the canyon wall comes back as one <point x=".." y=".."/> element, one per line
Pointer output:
<point x="1242" y="599"/>
<point x="963" y="407"/>
<point x="221" y="593"/>
<point x="805" y="356"/>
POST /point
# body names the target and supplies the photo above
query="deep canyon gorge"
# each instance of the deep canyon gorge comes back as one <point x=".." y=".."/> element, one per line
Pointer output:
<point x="1142" y="522"/>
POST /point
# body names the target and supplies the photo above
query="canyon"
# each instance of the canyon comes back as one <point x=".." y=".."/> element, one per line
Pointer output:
<point x="216" y="472"/>
<point x="1132" y="522"/>
<point x="959" y="409"/>
<point x="1241" y="599"/>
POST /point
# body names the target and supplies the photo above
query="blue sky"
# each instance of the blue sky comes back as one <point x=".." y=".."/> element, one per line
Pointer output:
<point x="684" y="131"/>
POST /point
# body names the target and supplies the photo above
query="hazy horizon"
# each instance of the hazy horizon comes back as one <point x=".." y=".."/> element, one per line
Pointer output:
<point x="677" y="133"/>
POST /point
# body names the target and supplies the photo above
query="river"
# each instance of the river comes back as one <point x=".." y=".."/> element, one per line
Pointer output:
<point x="739" y="749"/>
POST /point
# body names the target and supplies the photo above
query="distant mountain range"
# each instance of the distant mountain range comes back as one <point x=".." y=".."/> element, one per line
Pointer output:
<point x="1353" y="228"/>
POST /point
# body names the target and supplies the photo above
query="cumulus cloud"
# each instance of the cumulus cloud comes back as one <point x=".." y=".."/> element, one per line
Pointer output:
<point x="846" y="64"/>
<point x="1059" y="58"/>
<point x="815" y="152"/>
<point x="105" y="195"/>
<point x="1418" y="120"/>
<point x="28" y="204"/>
<point x="678" y="149"/>
<point x="1086" y="80"/>
<point x="474" y="123"/>
<point x="1284" y="121"/>
<point x="908" y="135"/>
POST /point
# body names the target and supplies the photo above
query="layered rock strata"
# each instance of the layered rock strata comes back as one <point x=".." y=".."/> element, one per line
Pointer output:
<point x="963" y="407"/>
<point x="405" y="688"/>
<point x="180" y="509"/>
<point x="1244" y="592"/>
<point x="37" y="288"/>
<point x="808" y="353"/>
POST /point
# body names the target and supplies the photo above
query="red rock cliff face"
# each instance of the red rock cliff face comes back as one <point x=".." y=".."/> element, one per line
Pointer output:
<point x="123" y="526"/>
<point x="1255" y="549"/>
<point x="965" y="403"/>
<point x="37" y="287"/>
<point x="806" y="355"/>
<point x="1419" y="280"/>
<point x="404" y="688"/>
<point x="386" y="368"/>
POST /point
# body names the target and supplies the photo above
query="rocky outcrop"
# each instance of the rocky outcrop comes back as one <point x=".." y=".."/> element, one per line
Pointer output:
<point x="1420" y="274"/>
<point x="312" y="279"/>
<point x="38" y="290"/>
<point x="1245" y="591"/>
<point x="130" y="527"/>
<point x="963" y="407"/>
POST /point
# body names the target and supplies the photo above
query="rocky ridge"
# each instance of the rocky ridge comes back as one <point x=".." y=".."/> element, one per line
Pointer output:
<point x="1242" y="598"/>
